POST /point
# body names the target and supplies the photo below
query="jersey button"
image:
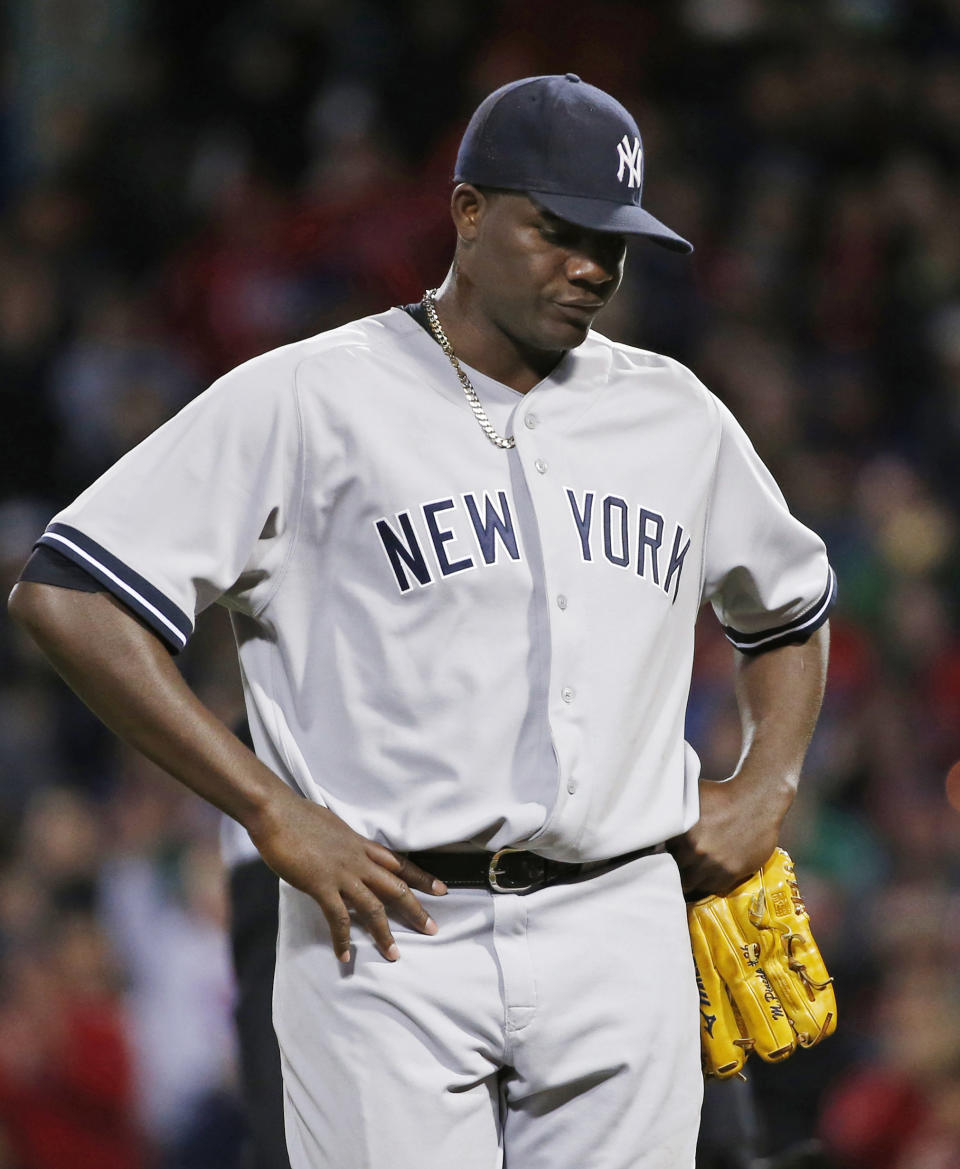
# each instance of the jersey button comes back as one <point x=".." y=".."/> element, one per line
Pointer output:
<point x="572" y="786"/>
<point x="530" y="421"/>
<point x="561" y="601"/>
<point x="568" y="694"/>
<point x="541" y="466"/>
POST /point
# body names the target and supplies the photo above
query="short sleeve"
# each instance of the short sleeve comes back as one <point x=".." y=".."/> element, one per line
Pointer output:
<point x="202" y="510"/>
<point x="47" y="566"/>
<point x="765" y="573"/>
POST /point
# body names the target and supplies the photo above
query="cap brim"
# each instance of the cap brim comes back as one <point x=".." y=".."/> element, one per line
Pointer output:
<point x="603" y="215"/>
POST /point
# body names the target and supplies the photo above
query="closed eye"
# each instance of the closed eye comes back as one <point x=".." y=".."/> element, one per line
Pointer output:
<point x="559" y="235"/>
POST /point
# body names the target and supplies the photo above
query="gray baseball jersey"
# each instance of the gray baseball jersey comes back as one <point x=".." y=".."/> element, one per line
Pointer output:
<point x="439" y="640"/>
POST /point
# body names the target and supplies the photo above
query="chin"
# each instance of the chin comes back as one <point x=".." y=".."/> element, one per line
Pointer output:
<point x="553" y="336"/>
<point x="566" y="336"/>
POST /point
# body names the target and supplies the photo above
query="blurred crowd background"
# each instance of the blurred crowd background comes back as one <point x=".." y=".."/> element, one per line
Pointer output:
<point x="184" y="185"/>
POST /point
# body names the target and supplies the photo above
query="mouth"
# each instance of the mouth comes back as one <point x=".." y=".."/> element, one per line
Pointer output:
<point x="579" y="310"/>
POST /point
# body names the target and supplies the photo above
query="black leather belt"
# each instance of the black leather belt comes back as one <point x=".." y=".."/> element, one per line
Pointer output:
<point x="514" y="870"/>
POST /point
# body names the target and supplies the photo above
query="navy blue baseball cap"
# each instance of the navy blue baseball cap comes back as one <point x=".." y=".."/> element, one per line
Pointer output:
<point x="570" y="146"/>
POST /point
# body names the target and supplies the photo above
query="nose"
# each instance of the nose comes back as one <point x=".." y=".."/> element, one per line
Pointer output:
<point x="598" y="264"/>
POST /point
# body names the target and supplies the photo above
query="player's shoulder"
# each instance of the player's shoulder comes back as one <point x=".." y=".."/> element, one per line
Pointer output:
<point x="280" y="365"/>
<point x="277" y="373"/>
<point x="632" y="370"/>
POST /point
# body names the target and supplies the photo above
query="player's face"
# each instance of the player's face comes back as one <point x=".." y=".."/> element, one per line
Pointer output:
<point x="539" y="278"/>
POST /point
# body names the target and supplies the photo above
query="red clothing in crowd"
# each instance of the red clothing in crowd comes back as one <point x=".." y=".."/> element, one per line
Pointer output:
<point x="74" y="1110"/>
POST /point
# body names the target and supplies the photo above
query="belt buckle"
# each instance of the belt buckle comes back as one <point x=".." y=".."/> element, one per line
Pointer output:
<point x="494" y="872"/>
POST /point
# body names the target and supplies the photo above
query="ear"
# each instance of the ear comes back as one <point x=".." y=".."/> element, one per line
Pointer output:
<point x="467" y="208"/>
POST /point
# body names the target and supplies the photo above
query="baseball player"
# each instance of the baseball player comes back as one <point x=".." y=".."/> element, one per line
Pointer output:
<point x="463" y="546"/>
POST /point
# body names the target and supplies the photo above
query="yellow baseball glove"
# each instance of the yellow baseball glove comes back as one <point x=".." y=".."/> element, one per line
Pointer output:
<point x="763" y="985"/>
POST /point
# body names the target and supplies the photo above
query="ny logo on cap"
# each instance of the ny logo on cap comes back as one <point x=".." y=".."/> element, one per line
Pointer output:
<point x="631" y="157"/>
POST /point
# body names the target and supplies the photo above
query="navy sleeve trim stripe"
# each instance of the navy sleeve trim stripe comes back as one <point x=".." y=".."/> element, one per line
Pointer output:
<point x="793" y="632"/>
<point x="160" y="613"/>
<point x="48" y="566"/>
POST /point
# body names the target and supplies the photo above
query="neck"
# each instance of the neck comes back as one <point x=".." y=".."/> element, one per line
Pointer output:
<point x="481" y="343"/>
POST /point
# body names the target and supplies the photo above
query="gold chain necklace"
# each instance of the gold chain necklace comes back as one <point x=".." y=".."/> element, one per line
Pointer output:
<point x="430" y="305"/>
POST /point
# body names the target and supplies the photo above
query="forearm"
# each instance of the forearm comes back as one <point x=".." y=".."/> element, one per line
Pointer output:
<point x="125" y="675"/>
<point x="779" y="695"/>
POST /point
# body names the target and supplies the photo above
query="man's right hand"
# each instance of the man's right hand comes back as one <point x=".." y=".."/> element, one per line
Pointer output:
<point x="124" y="673"/>
<point x="312" y="849"/>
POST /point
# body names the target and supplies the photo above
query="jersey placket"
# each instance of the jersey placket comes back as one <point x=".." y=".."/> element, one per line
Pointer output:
<point x="540" y="455"/>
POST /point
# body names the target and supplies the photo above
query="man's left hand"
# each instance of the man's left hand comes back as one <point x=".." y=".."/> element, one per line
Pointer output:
<point x="779" y="695"/>
<point x="737" y="831"/>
